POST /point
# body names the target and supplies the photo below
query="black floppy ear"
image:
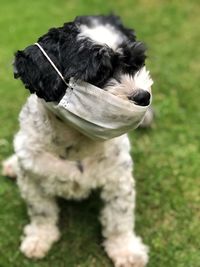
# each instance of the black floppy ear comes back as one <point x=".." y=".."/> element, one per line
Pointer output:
<point x="36" y="72"/>
<point x="26" y="69"/>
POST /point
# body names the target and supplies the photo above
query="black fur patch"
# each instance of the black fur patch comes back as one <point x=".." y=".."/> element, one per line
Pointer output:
<point x="68" y="149"/>
<point x="80" y="166"/>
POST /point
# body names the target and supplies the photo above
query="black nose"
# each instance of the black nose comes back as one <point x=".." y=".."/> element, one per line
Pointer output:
<point x="140" y="97"/>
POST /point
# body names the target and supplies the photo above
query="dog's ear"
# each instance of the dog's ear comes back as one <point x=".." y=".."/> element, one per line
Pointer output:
<point x="90" y="62"/>
<point x="133" y="57"/>
<point x="36" y="72"/>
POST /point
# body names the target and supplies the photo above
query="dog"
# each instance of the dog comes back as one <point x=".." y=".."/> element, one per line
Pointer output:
<point x="52" y="158"/>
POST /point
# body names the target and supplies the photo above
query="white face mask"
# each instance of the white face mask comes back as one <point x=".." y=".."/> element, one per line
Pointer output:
<point x="96" y="113"/>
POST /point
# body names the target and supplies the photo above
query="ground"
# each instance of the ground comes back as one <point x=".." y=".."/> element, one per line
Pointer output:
<point x="166" y="156"/>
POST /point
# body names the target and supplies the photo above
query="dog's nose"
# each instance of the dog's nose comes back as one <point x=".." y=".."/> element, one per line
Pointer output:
<point x="140" y="97"/>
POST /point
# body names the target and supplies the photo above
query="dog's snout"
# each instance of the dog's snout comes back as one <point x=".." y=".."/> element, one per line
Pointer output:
<point x="140" y="97"/>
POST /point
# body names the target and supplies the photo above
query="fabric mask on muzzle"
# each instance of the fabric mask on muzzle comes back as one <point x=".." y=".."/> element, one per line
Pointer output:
<point x="94" y="112"/>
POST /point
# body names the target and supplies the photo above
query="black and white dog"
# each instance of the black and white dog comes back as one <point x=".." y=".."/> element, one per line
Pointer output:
<point x="52" y="158"/>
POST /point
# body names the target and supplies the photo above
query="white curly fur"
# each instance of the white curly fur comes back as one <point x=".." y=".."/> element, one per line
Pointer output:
<point x="52" y="159"/>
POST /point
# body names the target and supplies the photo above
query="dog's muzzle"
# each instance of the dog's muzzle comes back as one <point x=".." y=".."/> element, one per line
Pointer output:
<point x="97" y="113"/>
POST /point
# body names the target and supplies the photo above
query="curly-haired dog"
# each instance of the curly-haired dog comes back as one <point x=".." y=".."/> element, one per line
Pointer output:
<point x="52" y="158"/>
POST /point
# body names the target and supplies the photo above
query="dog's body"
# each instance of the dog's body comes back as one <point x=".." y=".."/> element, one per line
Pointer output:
<point x="53" y="159"/>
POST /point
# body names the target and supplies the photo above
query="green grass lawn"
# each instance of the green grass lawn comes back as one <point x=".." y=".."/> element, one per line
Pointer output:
<point x="167" y="156"/>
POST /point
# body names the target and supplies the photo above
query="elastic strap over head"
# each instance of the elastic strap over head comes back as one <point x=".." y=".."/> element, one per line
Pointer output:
<point x="52" y="64"/>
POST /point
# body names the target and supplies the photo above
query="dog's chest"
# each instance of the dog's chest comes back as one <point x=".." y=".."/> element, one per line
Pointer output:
<point x="82" y="175"/>
<point x="68" y="144"/>
<point x="86" y="164"/>
<point x="80" y="178"/>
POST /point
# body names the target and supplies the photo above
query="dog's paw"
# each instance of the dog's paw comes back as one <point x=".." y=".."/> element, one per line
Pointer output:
<point x="127" y="251"/>
<point x="34" y="247"/>
<point x="9" y="167"/>
<point x="38" y="240"/>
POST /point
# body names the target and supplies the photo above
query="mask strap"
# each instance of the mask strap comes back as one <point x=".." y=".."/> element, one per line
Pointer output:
<point x="52" y="64"/>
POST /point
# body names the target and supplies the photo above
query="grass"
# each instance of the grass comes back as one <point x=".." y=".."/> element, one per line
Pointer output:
<point x="166" y="156"/>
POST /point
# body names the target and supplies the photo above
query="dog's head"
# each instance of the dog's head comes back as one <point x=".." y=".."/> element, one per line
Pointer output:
<point x="95" y="49"/>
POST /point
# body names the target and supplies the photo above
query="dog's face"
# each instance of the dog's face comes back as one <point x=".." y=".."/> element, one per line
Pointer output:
<point x="96" y="49"/>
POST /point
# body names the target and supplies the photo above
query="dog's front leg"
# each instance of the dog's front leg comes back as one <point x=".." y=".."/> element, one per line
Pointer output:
<point x="42" y="231"/>
<point x="117" y="218"/>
